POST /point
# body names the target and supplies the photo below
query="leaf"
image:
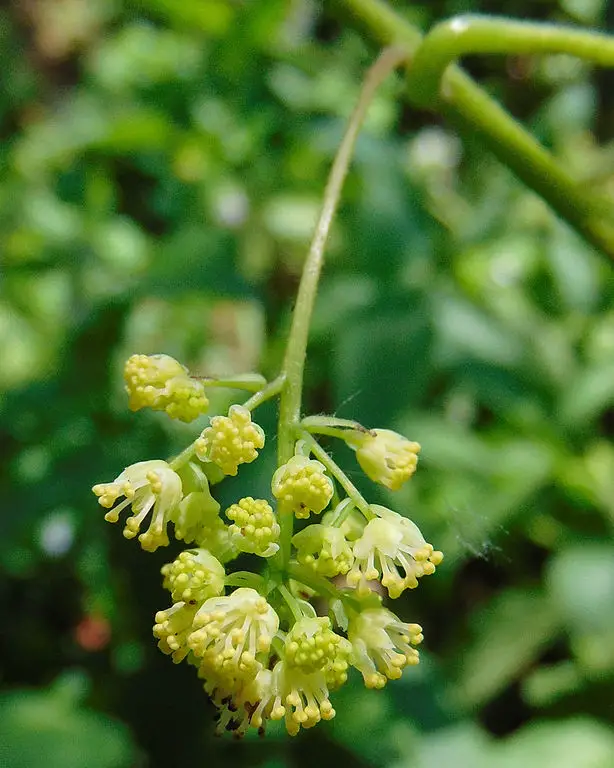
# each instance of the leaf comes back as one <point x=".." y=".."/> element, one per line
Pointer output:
<point x="575" y="268"/>
<point x="575" y="743"/>
<point x="589" y="393"/>
<point x="510" y="633"/>
<point x="466" y="331"/>
<point x="38" y="729"/>
<point x="580" y="580"/>
<point x="462" y="744"/>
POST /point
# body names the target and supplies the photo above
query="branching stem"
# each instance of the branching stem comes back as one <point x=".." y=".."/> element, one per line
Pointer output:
<point x="473" y="112"/>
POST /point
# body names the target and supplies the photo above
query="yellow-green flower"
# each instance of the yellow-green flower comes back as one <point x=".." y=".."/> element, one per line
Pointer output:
<point x="391" y="542"/>
<point x="305" y="697"/>
<point x="194" y="576"/>
<point x="254" y="528"/>
<point x="172" y="628"/>
<point x="231" y="440"/>
<point x="161" y="383"/>
<point x="311" y="644"/>
<point x="249" y="704"/>
<point x="148" y="487"/>
<point x="232" y="632"/>
<point x="323" y="548"/>
<point x="385" y="456"/>
<point x="382" y="645"/>
<point x="301" y="486"/>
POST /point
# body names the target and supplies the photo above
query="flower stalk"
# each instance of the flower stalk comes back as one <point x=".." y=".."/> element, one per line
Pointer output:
<point x="296" y="350"/>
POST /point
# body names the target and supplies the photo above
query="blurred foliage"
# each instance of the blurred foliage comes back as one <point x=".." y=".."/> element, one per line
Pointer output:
<point x="161" y="166"/>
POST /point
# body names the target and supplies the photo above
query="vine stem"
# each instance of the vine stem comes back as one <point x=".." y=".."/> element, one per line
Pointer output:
<point x="472" y="111"/>
<point x="461" y="35"/>
<point x="294" y="362"/>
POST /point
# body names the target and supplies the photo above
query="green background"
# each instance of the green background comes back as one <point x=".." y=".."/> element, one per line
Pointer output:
<point x="161" y="166"/>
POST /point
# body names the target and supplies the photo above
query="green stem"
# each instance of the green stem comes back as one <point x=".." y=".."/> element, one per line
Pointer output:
<point x="462" y="35"/>
<point x="341" y="434"/>
<point x="333" y="427"/>
<point x="291" y="602"/>
<point x="336" y="471"/>
<point x="249" y="382"/>
<point x="472" y="111"/>
<point x="272" y="389"/>
<point x="294" y="362"/>
<point x="319" y="584"/>
<point x="183" y="457"/>
<point x="342" y="511"/>
<point x="311" y="423"/>
<point x="246" y="579"/>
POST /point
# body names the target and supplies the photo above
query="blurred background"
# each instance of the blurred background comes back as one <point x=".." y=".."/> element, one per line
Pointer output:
<point x="161" y="168"/>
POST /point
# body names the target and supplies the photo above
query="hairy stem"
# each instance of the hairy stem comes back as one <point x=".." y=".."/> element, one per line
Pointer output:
<point x="294" y="362"/>
<point x="472" y="111"/>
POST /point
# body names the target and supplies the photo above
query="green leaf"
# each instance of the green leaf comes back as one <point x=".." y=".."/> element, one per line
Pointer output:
<point x="511" y="632"/>
<point x="573" y="743"/>
<point x="580" y="580"/>
<point x="40" y="729"/>
<point x="589" y="393"/>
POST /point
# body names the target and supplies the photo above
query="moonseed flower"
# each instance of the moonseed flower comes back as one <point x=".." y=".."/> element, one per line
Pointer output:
<point x="323" y="548"/>
<point x="149" y="486"/>
<point x="305" y="697"/>
<point x="387" y="543"/>
<point x="283" y="692"/>
<point x="385" y="456"/>
<point x="254" y="527"/>
<point x="311" y="644"/>
<point x="231" y="440"/>
<point x="161" y="383"/>
<point x="194" y="576"/>
<point x="230" y="632"/>
<point x="382" y="645"/>
<point x="172" y="628"/>
<point x="252" y="704"/>
<point x="302" y="486"/>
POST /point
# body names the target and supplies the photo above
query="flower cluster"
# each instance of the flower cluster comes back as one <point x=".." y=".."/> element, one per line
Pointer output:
<point x="254" y="638"/>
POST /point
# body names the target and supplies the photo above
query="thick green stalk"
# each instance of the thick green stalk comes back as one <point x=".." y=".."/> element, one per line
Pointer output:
<point x="271" y="389"/>
<point x="291" y="393"/>
<point x="472" y="111"/>
<point x="462" y="35"/>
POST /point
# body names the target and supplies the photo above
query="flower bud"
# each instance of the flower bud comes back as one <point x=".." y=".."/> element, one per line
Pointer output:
<point x="230" y="440"/>
<point x="161" y="383"/>
<point x="302" y="486"/>
<point x="385" y="456"/>
<point x="254" y="527"/>
<point x="325" y="549"/>
<point x="194" y="576"/>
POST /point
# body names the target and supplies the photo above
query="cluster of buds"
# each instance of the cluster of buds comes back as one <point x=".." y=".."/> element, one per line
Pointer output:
<point x="259" y="647"/>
